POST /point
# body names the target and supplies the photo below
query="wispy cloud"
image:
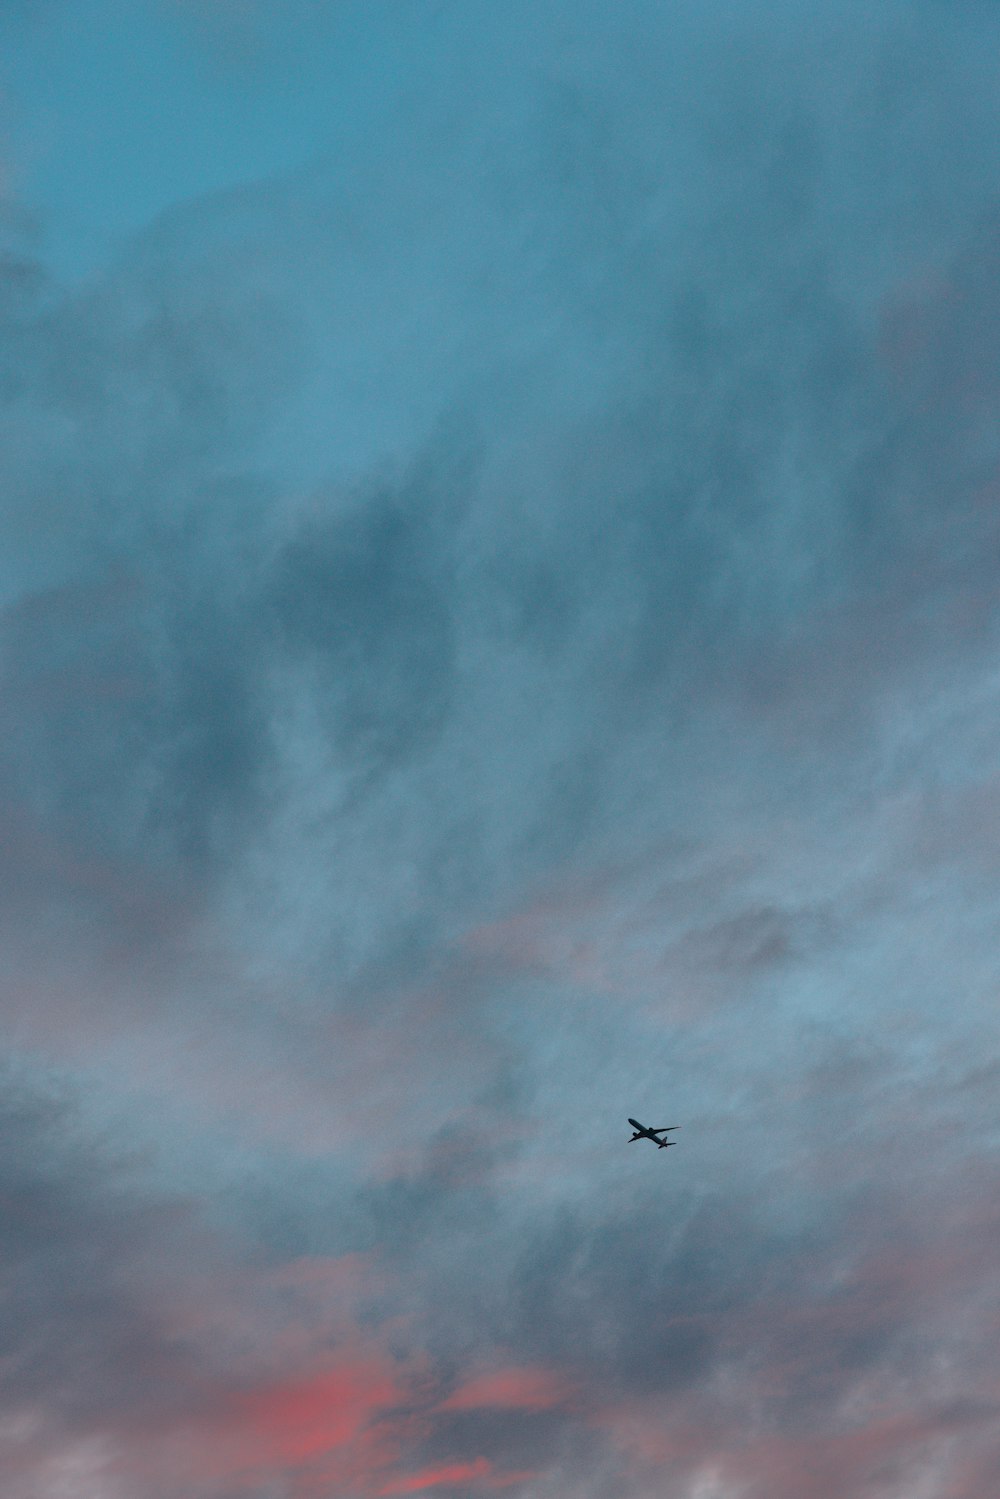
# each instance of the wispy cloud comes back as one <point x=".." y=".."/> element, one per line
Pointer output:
<point x="498" y="634"/>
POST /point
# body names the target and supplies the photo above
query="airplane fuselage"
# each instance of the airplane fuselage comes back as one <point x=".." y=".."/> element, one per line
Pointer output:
<point x="642" y="1133"/>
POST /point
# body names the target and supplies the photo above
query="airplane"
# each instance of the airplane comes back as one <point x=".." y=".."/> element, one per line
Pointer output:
<point x="642" y="1133"/>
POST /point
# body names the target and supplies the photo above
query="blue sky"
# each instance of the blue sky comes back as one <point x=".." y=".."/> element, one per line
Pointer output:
<point x="119" y="112"/>
<point x="500" y="623"/>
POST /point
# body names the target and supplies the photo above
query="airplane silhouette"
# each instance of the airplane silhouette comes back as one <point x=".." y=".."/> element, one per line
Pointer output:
<point x="642" y="1133"/>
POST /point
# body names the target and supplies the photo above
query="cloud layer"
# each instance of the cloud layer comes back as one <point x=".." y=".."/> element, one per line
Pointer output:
<point x="498" y="635"/>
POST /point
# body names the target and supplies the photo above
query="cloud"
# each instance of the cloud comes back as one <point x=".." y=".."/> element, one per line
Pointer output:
<point x="516" y="1389"/>
<point x="499" y="635"/>
<point x="478" y="1473"/>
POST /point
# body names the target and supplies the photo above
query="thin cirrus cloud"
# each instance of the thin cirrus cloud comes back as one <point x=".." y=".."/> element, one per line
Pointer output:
<point x="452" y="1475"/>
<point x="498" y="635"/>
<point x="515" y="1389"/>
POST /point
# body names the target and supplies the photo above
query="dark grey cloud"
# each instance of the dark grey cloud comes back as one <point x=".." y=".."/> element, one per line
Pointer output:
<point x="369" y="600"/>
<point x="687" y="536"/>
<point x="81" y="1249"/>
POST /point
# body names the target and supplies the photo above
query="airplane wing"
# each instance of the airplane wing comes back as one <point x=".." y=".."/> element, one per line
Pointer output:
<point x="664" y="1128"/>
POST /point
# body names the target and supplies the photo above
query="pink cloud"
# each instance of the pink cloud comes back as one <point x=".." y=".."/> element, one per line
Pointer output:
<point x="350" y="1425"/>
<point x="638" y="932"/>
<point x="347" y="1411"/>
<point x="481" y="1473"/>
<point x="300" y="1419"/>
<point x="510" y="1389"/>
<point x="433" y="1478"/>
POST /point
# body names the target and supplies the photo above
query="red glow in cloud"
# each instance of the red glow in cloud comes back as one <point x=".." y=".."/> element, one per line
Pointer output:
<point x="479" y="1472"/>
<point x="345" y="1426"/>
<point x="308" y="1418"/>
<point x="336" y="1430"/>
<point x="509" y="1389"/>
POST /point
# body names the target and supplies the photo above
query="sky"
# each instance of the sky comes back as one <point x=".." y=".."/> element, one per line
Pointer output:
<point x="500" y="600"/>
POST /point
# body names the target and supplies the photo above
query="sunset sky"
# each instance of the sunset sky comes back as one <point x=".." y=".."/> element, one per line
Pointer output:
<point x="500" y="576"/>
